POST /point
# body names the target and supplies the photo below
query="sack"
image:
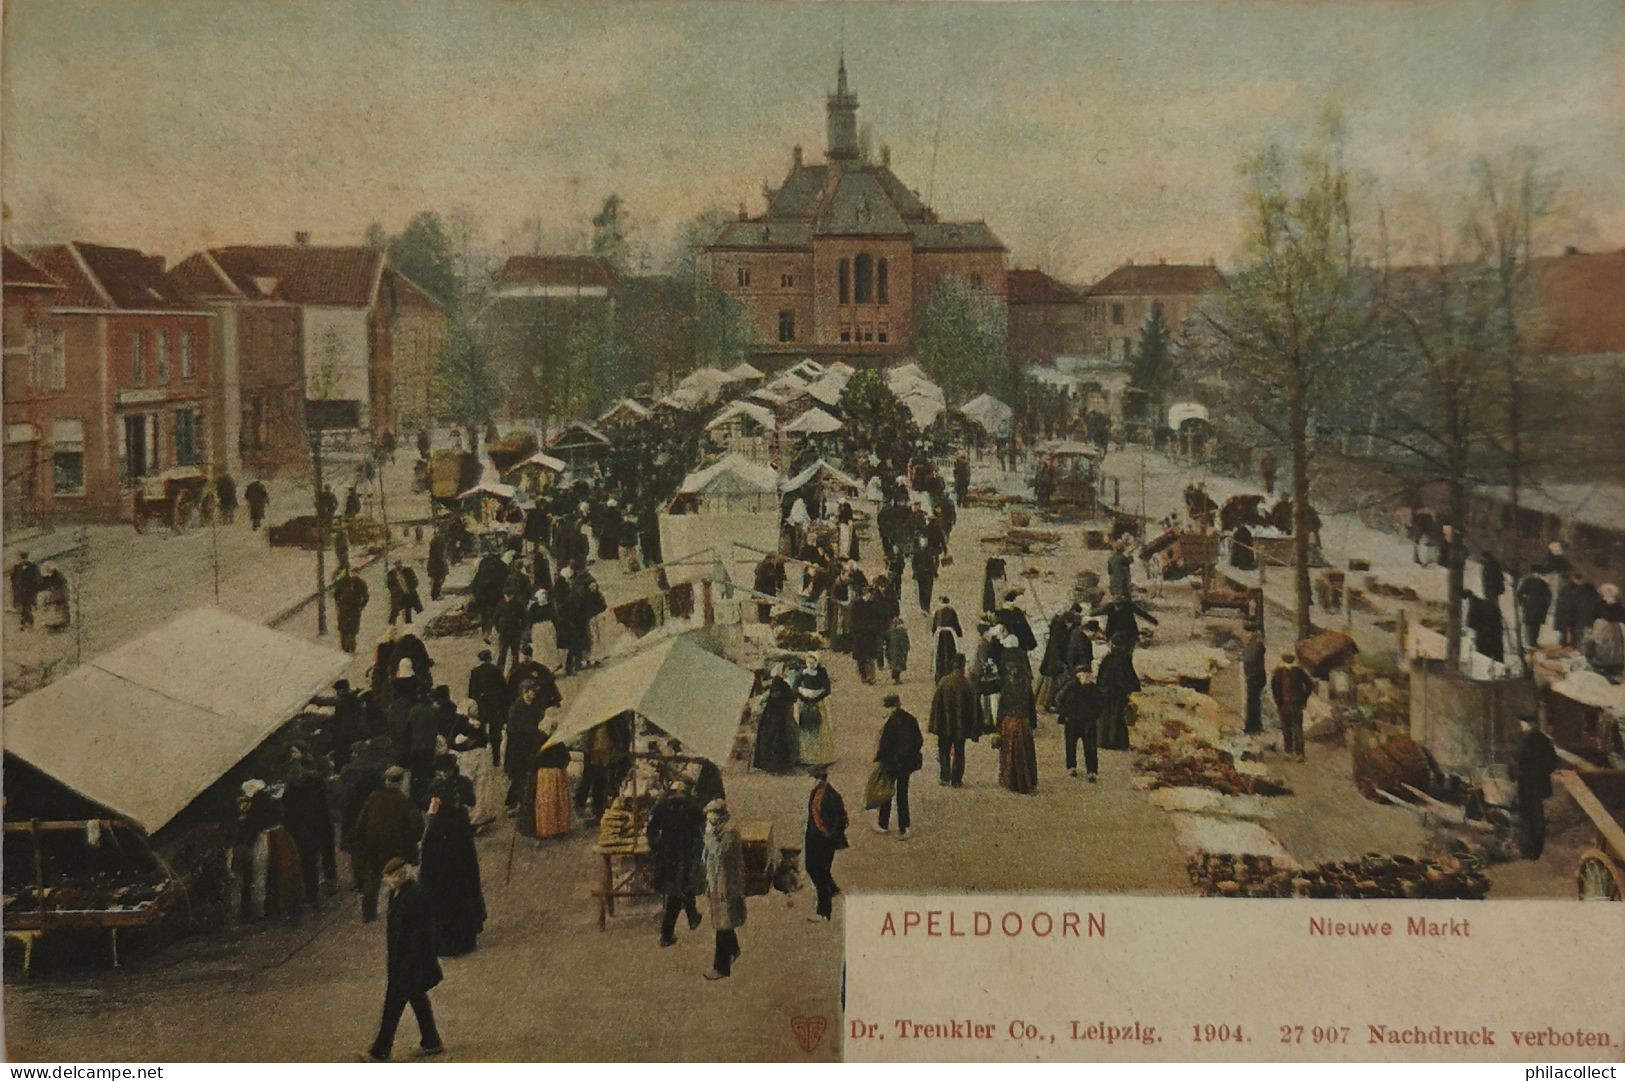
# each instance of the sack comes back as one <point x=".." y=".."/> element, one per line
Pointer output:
<point x="808" y="715"/>
<point x="879" y="788"/>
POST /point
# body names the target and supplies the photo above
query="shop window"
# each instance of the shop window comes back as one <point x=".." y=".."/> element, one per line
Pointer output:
<point x="863" y="272"/>
<point x="843" y="280"/>
<point x="868" y="334"/>
<point x="881" y="335"/>
<point x="68" y="457"/>
<point x="787" y="326"/>
<point x="881" y="284"/>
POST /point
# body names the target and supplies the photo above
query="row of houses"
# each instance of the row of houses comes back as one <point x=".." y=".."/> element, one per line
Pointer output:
<point x="117" y="368"/>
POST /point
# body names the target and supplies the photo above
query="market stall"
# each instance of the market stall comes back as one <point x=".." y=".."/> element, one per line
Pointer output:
<point x="579" y="444"/>
<point x="537" y="472"/>
<point x="991" y="415"/>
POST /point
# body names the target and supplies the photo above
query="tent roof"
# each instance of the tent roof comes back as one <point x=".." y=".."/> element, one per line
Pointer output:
<point x="814" y="421"/>
<point x="906" y="373"/>
<point x="745" y="474"/>
<point x="501" y="491"/>
<point x="745" y="370"/>
<point x="540" y="460"/>
<point x="625" y="405"/>
<point x="817" y="468"/>
<point x="808" y="369"/>
<point x="828" y="389"/>
<point x="762" y="394"/>
<point x="684" y="398"/>
<point x="987" y="411"/>
<point x="788" y="384"/>
<point x="708" y="379"/>
<point x="1180" y="412"/>
<point x="690" y="694"/>
<point x="144" y="735"/>
<point x="587" y="432"/>
<point x="761" y="414"/>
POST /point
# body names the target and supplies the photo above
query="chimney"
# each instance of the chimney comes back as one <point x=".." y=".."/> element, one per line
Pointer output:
<point x="885" y="155"/>
<point x="796" y="153"/>
<point x="302" y="239"/>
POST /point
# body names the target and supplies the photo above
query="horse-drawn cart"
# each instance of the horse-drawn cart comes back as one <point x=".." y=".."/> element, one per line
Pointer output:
<point x="1601" y="795"/>
<point x="172" y="495"/>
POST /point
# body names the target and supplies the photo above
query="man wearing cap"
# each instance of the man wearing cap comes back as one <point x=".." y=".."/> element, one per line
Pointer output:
<point x="676" y="833"/>
<point x="1080" y="645"/>
<point x="25" y="587"/>
<point x="388" y="828"/>
<point x="1253" y="676"/>
<point x="724" y="859"/>
<point x="350" y="598"/>
<point x="1119" y="569"/>
<point x="1291" y="687"/>
<point x="898" y="755"/>
<point x="952" y="721"/>
<point x="403" y="592"/>
<point x="489" y="692"/>
<point x="412" y="967"/>
<point x="1080" y="704"/>
<point x="825" y="836"/>
<point x="530" y="670"/>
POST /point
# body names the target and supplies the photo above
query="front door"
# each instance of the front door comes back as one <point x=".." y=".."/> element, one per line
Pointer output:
<point x="136" y="457"/>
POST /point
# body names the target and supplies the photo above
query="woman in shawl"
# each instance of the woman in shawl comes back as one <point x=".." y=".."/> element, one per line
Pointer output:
<point x="450" y="872"/>
<point x="992" y="583"/>
<point x="468" y="740"/>
<point x="816" y="736"/>
<point x="273" y="883"/>
<point x="777" y="736"/>
<point x="1018" y="760"/>
<point x="1117" y="681"/>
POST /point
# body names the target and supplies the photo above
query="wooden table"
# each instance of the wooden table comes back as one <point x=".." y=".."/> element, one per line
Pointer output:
<point x="622" y="874"/>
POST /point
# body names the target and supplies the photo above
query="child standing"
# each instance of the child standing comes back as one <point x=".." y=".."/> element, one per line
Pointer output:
<point x="897" y="649"/>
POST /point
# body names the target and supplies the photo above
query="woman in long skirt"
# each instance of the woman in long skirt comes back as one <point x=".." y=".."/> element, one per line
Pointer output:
<point x="555" y="814"/>
<point x="1117" y="680"/>
<point x="469" y="742"/>
<point x="817" y="735"/>
<point x="1018" y="760"/>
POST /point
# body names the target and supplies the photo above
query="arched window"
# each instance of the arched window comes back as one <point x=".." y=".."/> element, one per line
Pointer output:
<point x="862" y="278"/>
<point x="843" y="275"/>
<point x="880" y="282"/>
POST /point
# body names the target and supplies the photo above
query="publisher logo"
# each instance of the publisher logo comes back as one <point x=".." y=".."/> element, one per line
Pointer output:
<point x="808" y="1030"/>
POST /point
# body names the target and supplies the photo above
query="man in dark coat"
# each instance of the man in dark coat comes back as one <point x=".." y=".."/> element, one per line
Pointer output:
<point x="403" y="592"/>
<point x="438" y="567"/>
<point x="352" y="502"/>
<point x="413" y="969"/>
<point x="512" y="624"/>
<point x="350" y="598"/>
<point x="1052" y="670"/>
<point x="1080" y="704"/>
<point x="953" y="721"/>
<point x="486" y="589"/>
<point x="1014" y="620"/>
<point x="676" y="833"/>
<point x="1080" y="648"/>
<point x="1491" y="576"/>
<point x="524" y="740"/>
<point x="1534" y="601"/>
<point x="769" y="579"/>
<point x="257" y="499"/>
<point x="451" y="871"/>
<point x="1122" y="621"/>
<point x="349" y="724"/>
<point x="1537" y="758"/>
<point x="530" y="670"/>
<point x="961" y="478"/>
<point x="422" y="728"/>
<point x="898" y="754"/>
<point x="925" y="572"/>
<point x="1254" y="676"/>
<point x="225" y="495"/>
<point x="1484" y="620"/>
<point x="309" y="820"/>
<point x="488" y="690"/>
<point x="1291" y="687"/>
<point x="1577" y="603"/>
<point x="1118" y="681"/>
<point x="25" y="588"/>
<point x="826" y="835"/>
<point x="387" y="828"/>
<point x="1118" y="570"/>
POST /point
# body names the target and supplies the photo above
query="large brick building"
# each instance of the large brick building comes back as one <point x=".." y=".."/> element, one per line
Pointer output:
<point x="844" y="254"/>
<point x="1120" y="302"/>
<point x="306" y="321"/>
<point x="1048" y="318"/>
<point x="122" y="386"/>
<point x="35" y="372"/>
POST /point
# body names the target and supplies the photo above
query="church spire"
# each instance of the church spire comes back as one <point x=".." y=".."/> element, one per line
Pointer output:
<point x="842" y="125"/>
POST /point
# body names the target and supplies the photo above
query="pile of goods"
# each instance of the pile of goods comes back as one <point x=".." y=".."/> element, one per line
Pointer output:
<point x="1180" y="759"/>
<point x="1018" y="541"/>
<point x="623" y="824"/>
<point x="453" y="624"/>
<point x="1386" y="759"/>
<point x="96" y="894"/>
<point x="1382" y="589"/>
<point x="1372" y="876"/>
<point x="985" y="496"/>
<point x="796" y="640"/>
<point x="1190" y="664"/>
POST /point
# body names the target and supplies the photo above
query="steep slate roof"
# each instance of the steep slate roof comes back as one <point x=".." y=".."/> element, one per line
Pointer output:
<point x="859" y="206"/>
<point x="1036" y="287"/>
<point x="293" y="273"/>
<point x="557" y="270"/>
<point x="95" y="276"/>
<point x="1163" y="279"/>
<point x="954" y="236"/>
<point x="799" y="195"/>
<point x="1583" y="295"/>
<point x="763" y="234"/>
<point x="18" y="272"/>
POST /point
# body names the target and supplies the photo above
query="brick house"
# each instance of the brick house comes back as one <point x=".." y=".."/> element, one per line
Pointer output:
<point x="1047" y="319"/>
<point x="35" y="371"/>
<point x="130" y="378"/>
<point x="306" y="321"/>
<point x="843" y="255"/>
<point x="1119" y="303"/>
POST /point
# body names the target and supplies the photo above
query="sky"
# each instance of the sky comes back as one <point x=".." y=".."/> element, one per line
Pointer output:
<point x="1085" y="134"/>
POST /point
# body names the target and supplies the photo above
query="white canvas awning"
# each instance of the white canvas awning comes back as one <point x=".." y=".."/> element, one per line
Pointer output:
<point x="814" y="422"/>
<point x="692" y="695"/>
<point x="684" y="399"/>
<point x="923" y="406"/>
<point x="745" y="370"/>
<point x="630" y="408"/>
<point x="1180" y="412"/>
<point x="787" y="385"/>
<point x="540" y="461"/>
<point x="761" y="414"/>
<point x="822" y="469"/>
<point x="488" y="489"/>
<point x="145" y="728"/>
<point x="733" y="474"/>
<point x="809" y="370"/>
<point x="906" y="373"/>
<point x="986" y="410"/>
<point x="579" y="435"/>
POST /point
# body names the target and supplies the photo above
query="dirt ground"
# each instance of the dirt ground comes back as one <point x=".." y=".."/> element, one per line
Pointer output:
<point x="545" y="984"/>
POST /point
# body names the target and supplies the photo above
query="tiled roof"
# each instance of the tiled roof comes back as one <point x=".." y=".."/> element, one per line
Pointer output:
<point x="1036" y="287"/>
<point x="19" y="272"/>
<point x="1583" y="297"/>
<point x="1161" y="279"/>
<point x="96" y="276"/>
<point x="296" y="273"/>
<point x="556" y="270"/>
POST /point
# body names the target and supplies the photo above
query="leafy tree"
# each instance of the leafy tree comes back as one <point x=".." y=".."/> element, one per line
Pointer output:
<point x="375" y="238"/>
<point x="871" y="408"/>
<point x="1289" y="326"/>
<point x="692" y="236"/>
<point x="960" y="340"/>
<point x="599" y="363"/>
<point x="463" y="387"/>
<point x="609" y="235"/>
<point x="1151" y="369"/>
<point x="423" y="252"/>
<point x="721" y="331"/>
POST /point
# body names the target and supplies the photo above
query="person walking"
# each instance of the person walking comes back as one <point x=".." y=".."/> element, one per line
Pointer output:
<point x="309" y="819"/>
<point x="1253" y="678"/>
<point x="341" y="546"/>
<point x="1018" y="759"/>
<point x="403" y="592"/>
<point x="412" y="969"/>
<point x="512" y="625"/>
<point x="350" y="597"/>
<point x="676" y="833"/>
<point x="1118" y="681"/>
<point x="898" y="756"/>
<point x="1080" y="704"/>
<point x="1052" y="670"/>
<point x="1534" y="601"/>
<point x="258" y="499"/>
<point x="825" y="836"/>
<point x="489" y="692"/>
<point x="1537" y="758"/>
<point x="451" y="870"/>
<point x="953" y="721"/>
<point x="897" y="649"/>
<point x="524" y="740"/>
<point x="438" y="567"/>
<point x="225" y="496"/>
<point x="724" y="859"/>
<point x="387" y="829"/>
<point x="812" y="687"/>
<point x="25" y="588"/>
<point x="1291" y="687"/>
<point x="925" y="562"/>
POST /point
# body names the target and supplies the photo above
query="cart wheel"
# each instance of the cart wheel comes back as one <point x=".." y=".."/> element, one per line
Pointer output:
<point x="183" y="510"/>
<point x="139" y="517"/>
<point x="1600" y="878"/>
